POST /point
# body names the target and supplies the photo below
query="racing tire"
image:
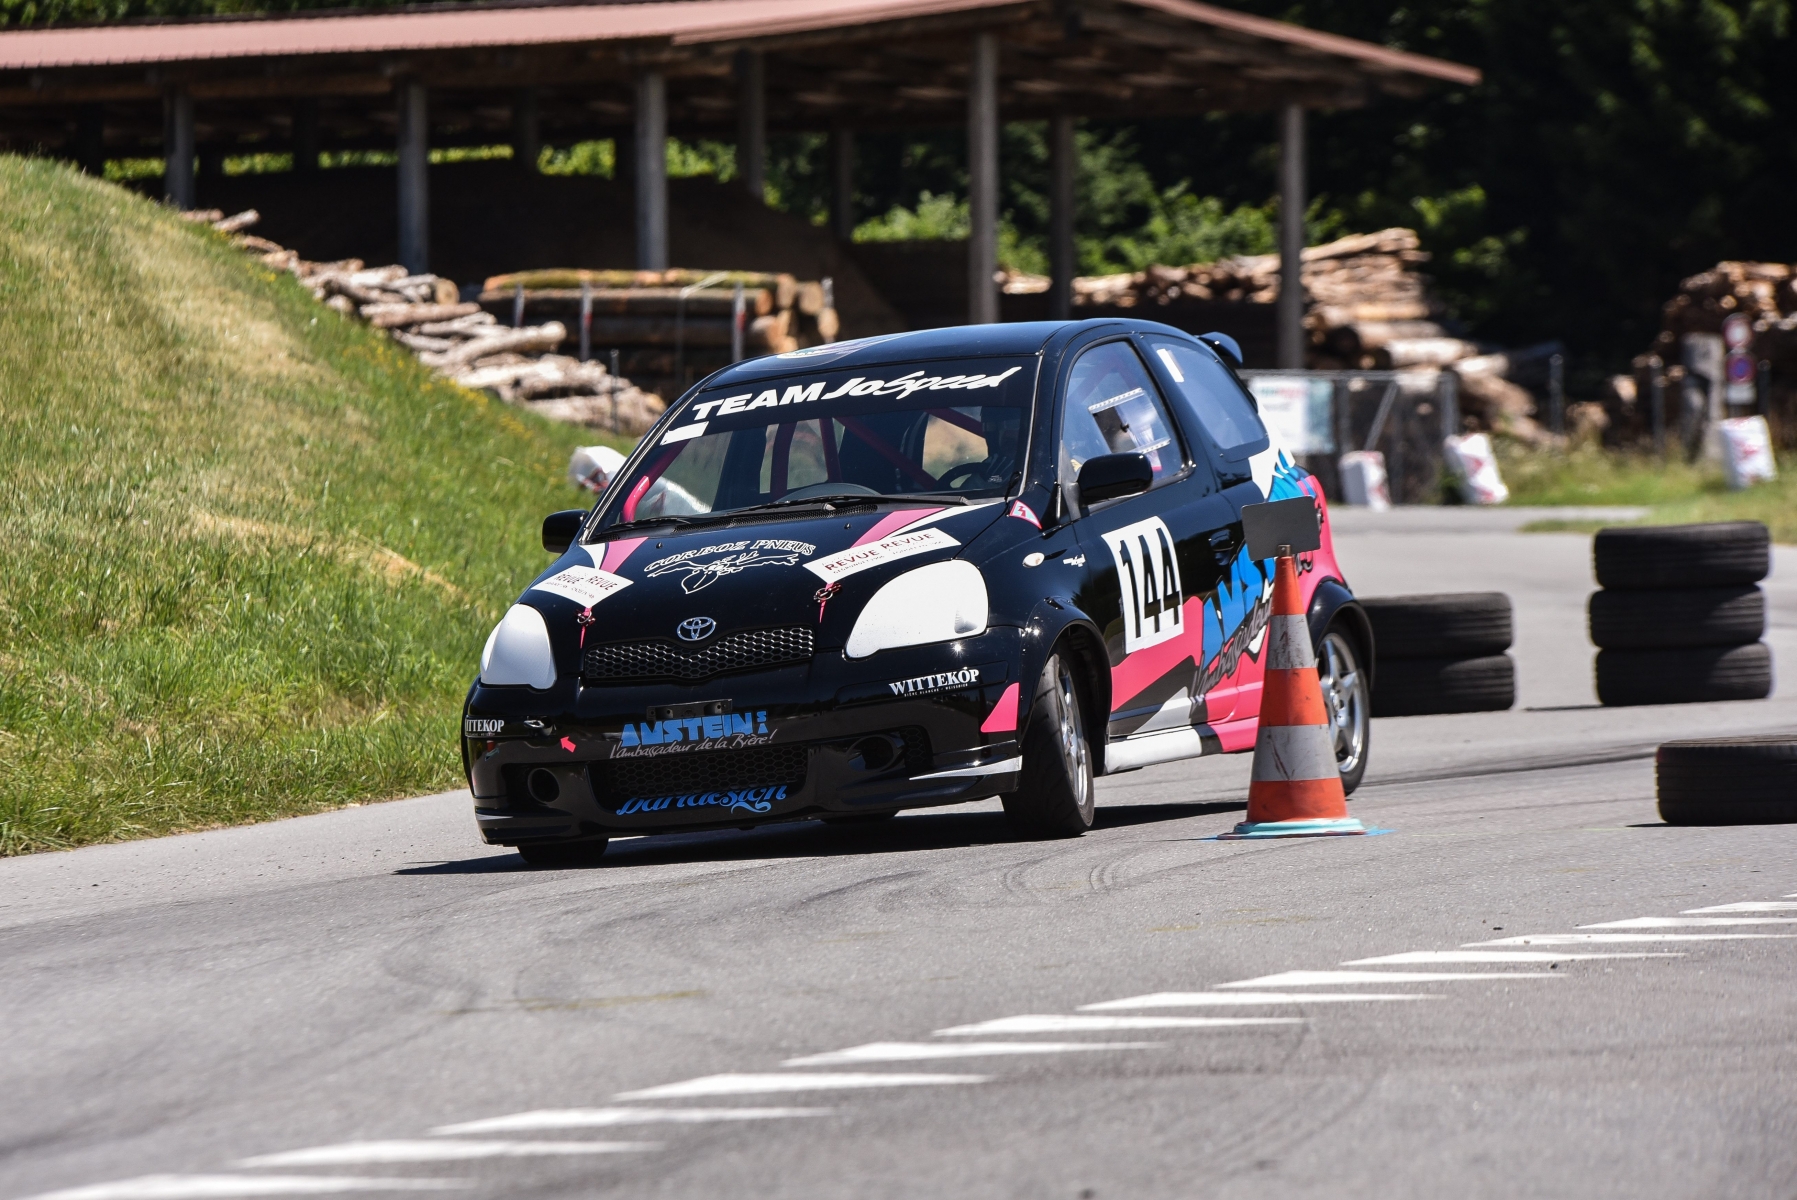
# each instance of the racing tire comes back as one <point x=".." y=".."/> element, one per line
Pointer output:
<point x="1728" y="781"/>
<point x="1692" y="676"/>
<point x="1348" y="701"/>
<point x="1652" y="557"/>
<point x="585" y="853"/>
<point x="1414" y="687"/>
<point x="1448" y="625"/>
<point x="1056" y="796"/>
<point x="1715" y="616"/>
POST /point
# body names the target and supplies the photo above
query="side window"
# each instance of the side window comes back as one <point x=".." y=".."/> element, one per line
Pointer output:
<point x="1113" y="407"/>
<point x="1213" y="397"/>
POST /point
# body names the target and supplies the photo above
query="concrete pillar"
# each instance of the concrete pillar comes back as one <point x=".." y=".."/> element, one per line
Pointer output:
<point x="527" y="140"/>
<point x="177" y="149"/>
<point x="1061" y="164"/>
<point x="90" y="140"/>
<point x="414" y="177"/>
<point x="982" y="180"/>
<point x="651" y="174"/>
<point x="842" y="183"/>
<point x="1291" y="236"/>
<point x="751" y="122"/>
<point x="305" y="135"/>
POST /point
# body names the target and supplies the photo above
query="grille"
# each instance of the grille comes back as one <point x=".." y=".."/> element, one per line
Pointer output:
<point x="703" y="771"/>
<point x="662" y="659"/>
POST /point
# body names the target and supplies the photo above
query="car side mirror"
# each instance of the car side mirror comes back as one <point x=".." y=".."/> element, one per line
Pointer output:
<point x="561" y="528"/>
<point x="1112" y="475"/>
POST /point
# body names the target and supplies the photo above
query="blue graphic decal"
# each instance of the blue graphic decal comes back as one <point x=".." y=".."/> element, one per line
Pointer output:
<point x="755" y="800"/>
<point x="693" y="729"/>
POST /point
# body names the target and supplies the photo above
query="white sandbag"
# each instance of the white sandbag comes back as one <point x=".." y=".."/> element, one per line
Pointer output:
<point x="1747" y="451"/>
<point x="1474" y="464"/>
<point x="1363" y="479"/>
<point x="593" y="466"/>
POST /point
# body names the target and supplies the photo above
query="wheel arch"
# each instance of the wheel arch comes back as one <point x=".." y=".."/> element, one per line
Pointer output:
<point x="1056" y="628"/>
<point x="1333" y="603"/>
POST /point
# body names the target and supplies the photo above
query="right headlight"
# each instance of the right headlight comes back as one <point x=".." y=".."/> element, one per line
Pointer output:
<point x="937" y="603"/>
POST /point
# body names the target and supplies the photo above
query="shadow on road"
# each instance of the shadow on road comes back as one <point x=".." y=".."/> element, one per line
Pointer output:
<point x="815" y="839"/>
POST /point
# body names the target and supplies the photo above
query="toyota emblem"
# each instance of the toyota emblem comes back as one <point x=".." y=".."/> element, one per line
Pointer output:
<point x="696" y="629"/>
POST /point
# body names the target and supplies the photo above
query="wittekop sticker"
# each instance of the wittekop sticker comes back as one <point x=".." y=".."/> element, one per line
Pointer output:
<point x="755" y="800"/>
<point x="943" y="681"/>
<point x="482" y="726"/>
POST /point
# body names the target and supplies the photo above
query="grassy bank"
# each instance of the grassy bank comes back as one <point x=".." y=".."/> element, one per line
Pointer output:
<point x="250" y="549"/>
<point x="1675" y="491"/>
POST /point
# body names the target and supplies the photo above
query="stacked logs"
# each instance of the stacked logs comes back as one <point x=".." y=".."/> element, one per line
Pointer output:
<point x="670" y="328"/>
<point x="426" y="314"/>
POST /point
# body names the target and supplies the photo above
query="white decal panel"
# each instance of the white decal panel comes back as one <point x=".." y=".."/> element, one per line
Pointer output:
<point x="586" y="586"/>
<point x="1148" y="578"/>
<point x="855" y="559"/>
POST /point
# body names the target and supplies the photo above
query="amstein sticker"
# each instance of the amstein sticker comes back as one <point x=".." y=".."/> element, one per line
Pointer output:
<point x="586" y="586"/>
<point x="923" y="685"/>
<point x="482" y="726"/>
<point x="855" y="559"/>
<point x="1148" y="578"/>
<point x="680" y="735"/>
<point x="755" y="800"/>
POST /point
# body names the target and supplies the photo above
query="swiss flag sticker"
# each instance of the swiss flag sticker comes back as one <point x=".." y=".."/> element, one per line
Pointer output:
<point x="1024" y="512"/>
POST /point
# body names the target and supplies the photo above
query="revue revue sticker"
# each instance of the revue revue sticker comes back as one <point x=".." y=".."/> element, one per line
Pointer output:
<point x="833" y="567"/>
<point x="586" y="586"/>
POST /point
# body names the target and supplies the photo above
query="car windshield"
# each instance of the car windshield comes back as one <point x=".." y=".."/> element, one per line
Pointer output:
<point x="949" y="430"/>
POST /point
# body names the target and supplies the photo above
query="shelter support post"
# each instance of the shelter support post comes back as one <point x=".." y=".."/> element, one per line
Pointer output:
<point x="414" y="177"/>
<point x="305" y="134"/>
<point x="1061" y="163"/>
<point x="982" y="181"/>
<point x="651" y="174"/>
<point x="1290" y="313"/>
<point x="842" y="183"/>
<point x="90" y="140"/>
<point x="177" y="149"/>
<point x="527" y="141"/>
<point x="751" y="122"/>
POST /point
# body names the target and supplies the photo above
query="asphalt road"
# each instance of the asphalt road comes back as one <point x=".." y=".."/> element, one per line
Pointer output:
<point x="369" y="1001"/>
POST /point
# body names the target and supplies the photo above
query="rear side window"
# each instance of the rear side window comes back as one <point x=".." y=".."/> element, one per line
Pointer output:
<point x="1113" y="407"/>
<point x="1213" y="397"/>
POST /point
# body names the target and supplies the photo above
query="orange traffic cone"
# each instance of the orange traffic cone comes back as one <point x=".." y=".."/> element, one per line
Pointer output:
<point x="1297" y="788"/>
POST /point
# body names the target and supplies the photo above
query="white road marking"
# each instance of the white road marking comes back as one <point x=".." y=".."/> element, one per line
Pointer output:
<point x="408" y="1151"/>
<point x="1057" y="1023"/>
<point x="1679" y="922"/>
<point x="1313" y="978"/>
<point x="911" y="1051"/>
<point x="1208" y="999"/>
<point x="1413" y="957"/>
<point x="1748" y="906"/>
<point x="602" y="1118"/>
<point x="202" y="1187"/>
<point x="749" y="1085"/>
<point x="1588" y="939"/>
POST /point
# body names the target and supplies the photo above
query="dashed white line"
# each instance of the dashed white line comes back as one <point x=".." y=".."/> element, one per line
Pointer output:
<point x="205" y="1187"/>
<point x="365" y="1153"/>
<point x="916" y="1051"/>
<point x="1415" y="957"/>
<point x="603" y="1118"/>
<point x="1208" y="999"/>
<point x="1315" y="978"/>
<point x="749" y="1085"/>
<point x="1677" y="922"/>
<point x="1747" y="906"/>
<point x="1058" y="1023"/>
<point x="1587" y="939"/>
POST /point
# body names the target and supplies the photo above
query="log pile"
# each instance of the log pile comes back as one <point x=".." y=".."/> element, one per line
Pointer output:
<point x="458" y="339"/>
<point x="670" y="328"/>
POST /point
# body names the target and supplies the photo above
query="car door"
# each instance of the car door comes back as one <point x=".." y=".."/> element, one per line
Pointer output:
<point x="1148" y="559"/>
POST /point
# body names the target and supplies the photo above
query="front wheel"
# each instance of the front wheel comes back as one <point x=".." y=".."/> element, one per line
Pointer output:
<point x="1348" y="701"/>
<point x="1055" y="796"/>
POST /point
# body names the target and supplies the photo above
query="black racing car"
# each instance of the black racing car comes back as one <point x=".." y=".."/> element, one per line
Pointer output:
<point x="899" y="572"/>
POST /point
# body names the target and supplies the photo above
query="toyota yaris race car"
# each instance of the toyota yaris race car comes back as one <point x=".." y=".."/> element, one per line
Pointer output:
<point x="901" y="572"/>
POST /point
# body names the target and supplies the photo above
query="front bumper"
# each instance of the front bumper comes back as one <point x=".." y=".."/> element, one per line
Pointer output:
<point x="901" y="729"/>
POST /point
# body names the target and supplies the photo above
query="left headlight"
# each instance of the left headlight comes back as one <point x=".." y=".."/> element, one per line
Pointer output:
<point x="937" y="603"/>
<point x="518" y="651"/>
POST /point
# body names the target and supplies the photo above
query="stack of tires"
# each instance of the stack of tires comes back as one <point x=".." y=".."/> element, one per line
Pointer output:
<point x="1441" y="653"/>
<point x="1679" y="618"/>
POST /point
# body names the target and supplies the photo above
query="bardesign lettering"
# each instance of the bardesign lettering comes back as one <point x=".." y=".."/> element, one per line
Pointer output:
<point x="482" y="726"/>
<point x="923" y="685"/>
<point x="698" y="570"/>
<point x="1148" y="579"/>
<point x="755" y="800"/>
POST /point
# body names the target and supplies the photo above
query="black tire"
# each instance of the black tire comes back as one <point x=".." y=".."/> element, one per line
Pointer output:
<point x="1413" y="687"/>
<point x="1341" y="670"/>
<point x="1695" y="676"/>
<point x="1449" y="625"/>
<point x="1728" y="781"/>
<point x="1681" y="556"/>
<point x="584" y="853"/>
<point x="1675" y="618"/>
<point x="1056" y="796"/>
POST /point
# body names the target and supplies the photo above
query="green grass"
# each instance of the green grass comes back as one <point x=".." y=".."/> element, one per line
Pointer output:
<point x="1675" y="492"/>
<point x="250" y="548"/>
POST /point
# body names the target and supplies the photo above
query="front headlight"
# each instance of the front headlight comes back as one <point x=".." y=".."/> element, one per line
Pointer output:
<point x="937" y="603"/>
<point x="518" y="651"/>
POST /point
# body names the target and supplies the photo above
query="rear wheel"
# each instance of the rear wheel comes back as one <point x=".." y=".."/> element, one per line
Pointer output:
<point x="564" y="854"/>
<point x="1349" y="704"/>
<point x="1055" y="796"/>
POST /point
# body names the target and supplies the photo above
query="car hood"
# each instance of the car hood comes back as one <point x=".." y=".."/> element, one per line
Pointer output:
<point x="758" y="575"/>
